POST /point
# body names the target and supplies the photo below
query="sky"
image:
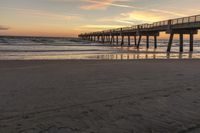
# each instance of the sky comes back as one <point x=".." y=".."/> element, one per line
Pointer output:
<point x="63" y="18"/>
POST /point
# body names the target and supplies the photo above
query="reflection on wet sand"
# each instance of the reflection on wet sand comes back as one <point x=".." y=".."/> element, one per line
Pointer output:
<point x="111" y="56"/>
<point x="132" y="56"/>
<point x="118" y="53"/>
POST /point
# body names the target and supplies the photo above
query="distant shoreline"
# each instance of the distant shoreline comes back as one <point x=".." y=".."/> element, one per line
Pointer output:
<point x="37" y="36"/>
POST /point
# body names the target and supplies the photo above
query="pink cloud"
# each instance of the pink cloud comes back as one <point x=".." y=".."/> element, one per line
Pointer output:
<point x="102" y="4"/>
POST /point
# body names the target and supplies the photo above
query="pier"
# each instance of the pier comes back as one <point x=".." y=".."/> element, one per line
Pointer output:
<point x="181" y="26"/>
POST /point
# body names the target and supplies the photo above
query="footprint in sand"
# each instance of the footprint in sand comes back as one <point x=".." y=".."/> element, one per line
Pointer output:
<point x="58" y="130"/>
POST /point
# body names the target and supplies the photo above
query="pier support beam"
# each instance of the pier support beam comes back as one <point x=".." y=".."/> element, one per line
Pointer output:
<point x="147" y="41"/>
<point x="181" y="42"/>
<point x="129" y="40"/>
<point x="135" y="39"/>
<point x="122" y="41"/>
<point x="148" y="34"/>
<point x="191" y="42"/>
<point x="106" y="39"/>
<point x="139" y="40"/>
<point x="103" y="39"/>
<point x="170" y="42"/>
<point x="117" y="40"/>
<point x="111" y="39"/>
<point x="155" y="42"/>
<point x="93" y="38"/>
<point x="182" y="32"/>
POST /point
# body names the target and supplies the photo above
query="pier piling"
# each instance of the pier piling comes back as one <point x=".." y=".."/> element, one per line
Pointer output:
<point x="117" y="39"/>
<point x="135" y="39"/>
<point x="155" y="42"/>
<point x="139" y="40"/>
<point x="147" y="41"/>
<point x="122" y="41"/>
<point x="191" y="41"/>
<point x="129" y="40"/>
<point x="170" y="42"/>
<point x="181" y="42"/>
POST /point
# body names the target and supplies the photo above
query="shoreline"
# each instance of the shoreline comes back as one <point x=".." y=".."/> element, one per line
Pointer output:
<point x="100" y="56"/>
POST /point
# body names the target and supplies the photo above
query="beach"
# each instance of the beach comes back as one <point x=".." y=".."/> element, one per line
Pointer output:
<point x="89" y="96"/>
<point x="99" y="66"/>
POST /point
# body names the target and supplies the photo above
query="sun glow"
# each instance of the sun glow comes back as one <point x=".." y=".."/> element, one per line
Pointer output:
<point x="69" y="18"/>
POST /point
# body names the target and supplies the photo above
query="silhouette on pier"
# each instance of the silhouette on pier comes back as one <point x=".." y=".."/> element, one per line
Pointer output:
<point x="182" y="26"/>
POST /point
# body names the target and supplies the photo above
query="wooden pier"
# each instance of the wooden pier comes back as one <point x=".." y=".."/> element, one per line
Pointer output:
<point x="181" y="26"/>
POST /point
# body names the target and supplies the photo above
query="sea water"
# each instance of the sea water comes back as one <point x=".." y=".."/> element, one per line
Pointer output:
<point x="51" y="48"/>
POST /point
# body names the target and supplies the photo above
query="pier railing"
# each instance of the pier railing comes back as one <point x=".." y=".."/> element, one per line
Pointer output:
<point x="184" y="20"/>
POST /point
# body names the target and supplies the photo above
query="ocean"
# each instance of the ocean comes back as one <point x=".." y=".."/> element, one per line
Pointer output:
<point x="52" y="48"/>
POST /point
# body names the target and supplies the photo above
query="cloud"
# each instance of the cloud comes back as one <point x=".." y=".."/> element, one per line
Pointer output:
<point x="46" y="14"/>
<point x="140" y="17"/>
<point x="134" y="18"/>
<point x="98" y="27"/>
<point x="168" y="12"/>
<point x="103" y="4"/>
<point x="4" y="27"/>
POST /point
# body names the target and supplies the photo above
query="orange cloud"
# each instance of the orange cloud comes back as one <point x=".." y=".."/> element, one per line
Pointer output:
<point x="140" y="17"/>
<point x="45" y="14"/>
<point x="99" y="27"/>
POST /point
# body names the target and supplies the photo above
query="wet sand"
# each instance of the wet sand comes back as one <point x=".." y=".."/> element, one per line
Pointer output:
<point x="139" y="96"/>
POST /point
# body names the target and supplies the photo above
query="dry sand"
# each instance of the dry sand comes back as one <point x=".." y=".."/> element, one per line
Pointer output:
<point x="140" y="96"/>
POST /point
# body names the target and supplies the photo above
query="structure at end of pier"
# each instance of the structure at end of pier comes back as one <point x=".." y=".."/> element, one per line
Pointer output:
<point x="181" y="26"/>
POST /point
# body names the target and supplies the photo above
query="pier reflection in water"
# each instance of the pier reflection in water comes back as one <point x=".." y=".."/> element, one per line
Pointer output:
<point x="135" y="56"/>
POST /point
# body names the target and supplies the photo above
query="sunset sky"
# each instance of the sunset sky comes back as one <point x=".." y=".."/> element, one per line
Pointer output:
<point x="71" y="17"/>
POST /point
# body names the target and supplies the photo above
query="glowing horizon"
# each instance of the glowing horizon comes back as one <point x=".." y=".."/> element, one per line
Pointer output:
<point x="61" y="18"/>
